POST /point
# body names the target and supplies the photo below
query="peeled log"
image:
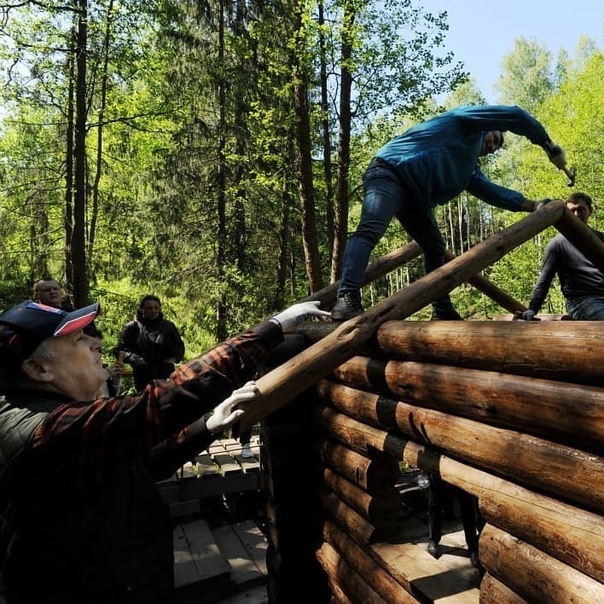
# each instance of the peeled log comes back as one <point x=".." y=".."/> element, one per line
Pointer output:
<point x="382" y="505"/>
<point x="360" y="529"/>
<point x="582" y="237"/>
<point x="345" y="583"/>
<point x="358" y="559"/>
<point x="554" y="410"/>
<point x="376" y="270"/>
<point x="547" y="349"/>
<point x="369" y="473"/>
<point x="555" y="468"/>
<point x="570" y="534"/>
<point x="493" y="591"/>
<point x="532" y="574"/>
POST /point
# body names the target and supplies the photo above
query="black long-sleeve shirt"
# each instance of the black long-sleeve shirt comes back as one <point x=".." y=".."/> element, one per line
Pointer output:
<point x="578" y="276"/>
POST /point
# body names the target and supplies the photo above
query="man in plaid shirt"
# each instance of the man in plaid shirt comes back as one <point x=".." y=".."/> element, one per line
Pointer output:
<point x="81" y="520"/>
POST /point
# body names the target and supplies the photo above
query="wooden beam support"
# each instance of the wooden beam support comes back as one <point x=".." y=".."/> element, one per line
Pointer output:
<point x="581" y="236"/>
<point x="376" y="270"/>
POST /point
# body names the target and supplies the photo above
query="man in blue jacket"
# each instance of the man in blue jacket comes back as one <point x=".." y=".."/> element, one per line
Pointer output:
<point x="427" y="166"/>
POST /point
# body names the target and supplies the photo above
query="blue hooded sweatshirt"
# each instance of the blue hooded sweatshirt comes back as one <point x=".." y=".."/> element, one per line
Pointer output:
<point x="438" y="159"/>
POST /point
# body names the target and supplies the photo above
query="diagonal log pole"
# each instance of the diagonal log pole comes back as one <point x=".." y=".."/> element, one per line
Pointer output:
<point x="581" y="236"/>
<point x="390" y="262"/>
<point x="376" y="270"/>
<point x="296" y="375"/>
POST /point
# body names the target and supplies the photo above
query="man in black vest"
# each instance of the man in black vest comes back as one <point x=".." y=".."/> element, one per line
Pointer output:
<point x="81" y="519"/>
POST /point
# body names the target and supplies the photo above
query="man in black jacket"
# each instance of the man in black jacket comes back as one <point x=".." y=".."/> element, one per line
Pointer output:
<point x="81" y="519"/>
<point x="150" y="343"/>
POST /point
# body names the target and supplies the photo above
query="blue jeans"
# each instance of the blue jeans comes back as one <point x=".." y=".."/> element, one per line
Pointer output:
<point x="385" y="198"/>
<point x="586" y="308"/>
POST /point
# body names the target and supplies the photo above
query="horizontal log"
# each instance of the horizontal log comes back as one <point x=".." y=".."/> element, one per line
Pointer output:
<point x="390" y="262"/>
<point x="555" y="468"/>
<point x="369" y="473"/>
<point x="365" y="566"/>
<point x="570" y="534"/>
<point x="287" y="381"/>
<point x="557" y="350"/>
<point x="359" y="528"/>
<point x="346" y="584"/>
<point x="532" y="574"/>
<point x="378" y="507"/>
<point x="559" y="411"/>
<point x="357" y="435"/>
<point x="493" y="591"/>
<point x="579" y="546"/>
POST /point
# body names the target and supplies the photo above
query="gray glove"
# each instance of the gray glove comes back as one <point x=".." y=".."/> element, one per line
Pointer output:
<point x="557" y="156"/>
<point x="290" y="317"/>
<point x="225" y="414"/>
<point x="541" y="203"/>
<point x="134" y="359"/>
<point x="527" y="315"/>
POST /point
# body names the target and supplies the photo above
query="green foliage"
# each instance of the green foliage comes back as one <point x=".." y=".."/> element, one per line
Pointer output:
<point x="198" y="190"/>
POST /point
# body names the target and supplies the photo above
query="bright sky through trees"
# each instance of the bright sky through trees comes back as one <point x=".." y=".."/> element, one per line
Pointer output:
<point x="482" y="33"/>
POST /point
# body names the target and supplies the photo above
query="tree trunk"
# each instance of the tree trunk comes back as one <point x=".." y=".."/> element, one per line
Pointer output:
<point x="69" y="162"/>
<point x="303" y="159"/>
<point x="221" y="243"/>
<point x="78" y="247"/>
<point x="325" y="127"/>
<point x="99" y="145"/>
<point x="341" y="222"/>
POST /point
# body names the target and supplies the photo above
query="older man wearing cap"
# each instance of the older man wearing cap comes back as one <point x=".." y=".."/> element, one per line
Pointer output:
<point x="81" y="520"/>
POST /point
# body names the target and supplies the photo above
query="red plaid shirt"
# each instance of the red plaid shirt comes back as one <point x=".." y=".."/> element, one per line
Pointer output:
<point x="164" y="424"/>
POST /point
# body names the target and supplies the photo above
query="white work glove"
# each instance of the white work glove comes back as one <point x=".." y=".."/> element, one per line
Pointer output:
<point x="290" y="317"/>
<point x="527" y="315"/>
<point x="557" y="156"/>
<point x="225" y="414"/>
<point x="541" y="203"/>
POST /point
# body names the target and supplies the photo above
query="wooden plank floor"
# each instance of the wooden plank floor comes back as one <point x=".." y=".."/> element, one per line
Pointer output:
<point x="219" y="564"/>
<point x="450" y="579"/>
<point x="220" y="470"/>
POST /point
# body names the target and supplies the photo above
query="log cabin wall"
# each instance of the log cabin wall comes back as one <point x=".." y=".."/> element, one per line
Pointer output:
<point x="511" y="412"/>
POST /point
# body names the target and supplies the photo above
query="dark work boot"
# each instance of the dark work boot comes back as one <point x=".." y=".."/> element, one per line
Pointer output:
<point x="433" y="549"/>
<point x="347" y="306"/>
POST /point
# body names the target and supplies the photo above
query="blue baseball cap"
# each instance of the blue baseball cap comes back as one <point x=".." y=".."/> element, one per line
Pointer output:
<point x="25" y="326"/>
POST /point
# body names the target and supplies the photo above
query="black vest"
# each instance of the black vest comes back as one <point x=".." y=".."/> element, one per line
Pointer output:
<point x="63" y="544"/>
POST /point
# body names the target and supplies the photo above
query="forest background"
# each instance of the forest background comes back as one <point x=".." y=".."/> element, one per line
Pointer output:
<point x="211" y="152"/>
